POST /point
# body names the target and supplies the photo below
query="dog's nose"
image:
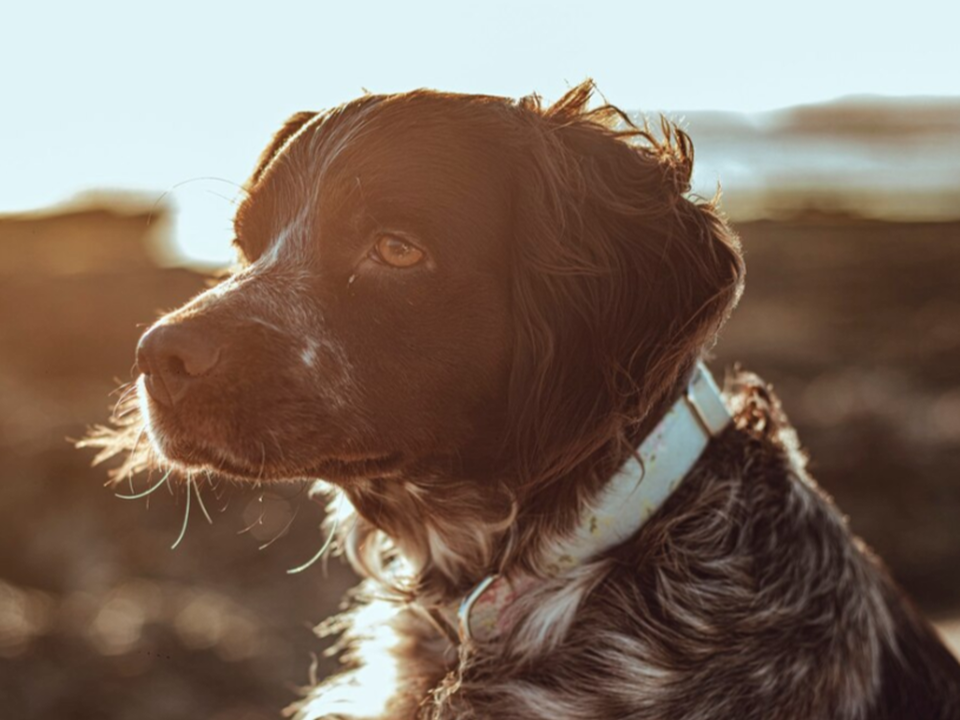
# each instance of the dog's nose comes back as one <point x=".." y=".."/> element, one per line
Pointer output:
<point x="172" y="357"/>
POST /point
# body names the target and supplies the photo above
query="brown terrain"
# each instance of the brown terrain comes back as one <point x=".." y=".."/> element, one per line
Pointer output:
<point x="855" y="322"/>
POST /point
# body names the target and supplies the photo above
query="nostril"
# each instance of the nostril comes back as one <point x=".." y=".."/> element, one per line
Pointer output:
<point x="196" y="358"/>
<point x="175" y="366"/>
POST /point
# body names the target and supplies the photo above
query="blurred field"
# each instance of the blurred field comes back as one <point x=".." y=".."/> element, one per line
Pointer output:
<point x="857" y="324"/>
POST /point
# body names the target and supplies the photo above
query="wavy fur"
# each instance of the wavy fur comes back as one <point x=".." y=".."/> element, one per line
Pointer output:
<point x="467" y="409"/>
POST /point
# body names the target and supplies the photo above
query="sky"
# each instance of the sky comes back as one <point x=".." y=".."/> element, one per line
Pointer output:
<point x="174" y="100"/>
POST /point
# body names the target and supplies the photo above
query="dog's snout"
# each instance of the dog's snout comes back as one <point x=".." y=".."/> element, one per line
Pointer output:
<point x="172" y="357"/>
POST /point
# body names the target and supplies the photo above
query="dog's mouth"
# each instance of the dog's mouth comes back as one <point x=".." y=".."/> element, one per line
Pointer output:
<point x="191" y="448"/>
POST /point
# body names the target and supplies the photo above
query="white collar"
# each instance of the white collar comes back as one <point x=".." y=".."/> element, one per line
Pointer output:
<point x="628" y="500"/>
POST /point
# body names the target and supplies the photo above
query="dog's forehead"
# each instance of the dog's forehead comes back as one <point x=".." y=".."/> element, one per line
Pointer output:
<point x="407" y="152"/>
<point x="432" y="166"/>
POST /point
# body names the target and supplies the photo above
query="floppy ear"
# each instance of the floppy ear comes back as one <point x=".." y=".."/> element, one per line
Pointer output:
<point x="289" y="129"/>
<point x="621" y="282"/>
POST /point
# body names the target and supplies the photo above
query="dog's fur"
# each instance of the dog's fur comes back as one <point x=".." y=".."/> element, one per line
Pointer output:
<point x="468" y="407"/>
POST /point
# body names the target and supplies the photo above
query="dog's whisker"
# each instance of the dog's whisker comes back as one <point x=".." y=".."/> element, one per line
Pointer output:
<point x="216" y="485"/>
<point x="133" y="453"/>
<point x="232" y="201"/>
<point x="320" y="552"/>
<point x="126" y="413"/>
<point x="125" y="404"/>
<point x="186" y="517"/>
<point x="124" y="391"/>
<point x="203" y="508"/>
<point x="145" y="493"/>
<point x="263" y="460"/>
<point x="258" y="521"/>
<point x="282" y="532"/>
<point x="182" y="183"/>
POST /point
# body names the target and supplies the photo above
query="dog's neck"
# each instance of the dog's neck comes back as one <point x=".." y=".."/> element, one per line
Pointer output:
<point x="448" y="535"/>
<point x="632" y="496"/>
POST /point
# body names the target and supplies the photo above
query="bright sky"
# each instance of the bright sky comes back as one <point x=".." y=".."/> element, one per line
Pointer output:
<point x="147" y="96"/>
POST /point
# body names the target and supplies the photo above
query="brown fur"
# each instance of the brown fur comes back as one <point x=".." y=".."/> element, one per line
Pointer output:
<point x="469" y="406"/>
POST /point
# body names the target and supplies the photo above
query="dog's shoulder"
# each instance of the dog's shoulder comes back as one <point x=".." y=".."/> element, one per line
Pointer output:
<point x="751" y="568"/>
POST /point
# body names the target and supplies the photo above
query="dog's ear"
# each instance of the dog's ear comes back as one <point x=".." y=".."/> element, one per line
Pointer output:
<point x="289" y="129"/>
<point x="621" y="281"/>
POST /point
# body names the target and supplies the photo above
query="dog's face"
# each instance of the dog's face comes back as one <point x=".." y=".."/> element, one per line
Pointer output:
<point x="369" y="327"/>
<point x="443" y="284"/>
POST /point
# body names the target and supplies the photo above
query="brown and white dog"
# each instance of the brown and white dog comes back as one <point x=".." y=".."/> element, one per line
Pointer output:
<point x="481" y="321"/>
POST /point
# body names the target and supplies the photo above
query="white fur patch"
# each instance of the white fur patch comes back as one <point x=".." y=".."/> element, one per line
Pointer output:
<point x="309" y="353"/>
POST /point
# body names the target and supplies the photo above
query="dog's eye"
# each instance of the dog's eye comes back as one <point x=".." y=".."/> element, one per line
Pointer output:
<point x="396" y="252"/>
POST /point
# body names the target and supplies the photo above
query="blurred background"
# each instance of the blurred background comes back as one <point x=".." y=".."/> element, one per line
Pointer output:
<point x="834" y="131"/>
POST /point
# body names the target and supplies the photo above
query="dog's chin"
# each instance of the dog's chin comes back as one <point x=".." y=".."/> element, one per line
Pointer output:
<point x="346" y="470"/>
<point x="193" y="455"/>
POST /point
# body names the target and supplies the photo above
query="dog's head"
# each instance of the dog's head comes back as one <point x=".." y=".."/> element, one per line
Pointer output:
<point x="446" y="284"/>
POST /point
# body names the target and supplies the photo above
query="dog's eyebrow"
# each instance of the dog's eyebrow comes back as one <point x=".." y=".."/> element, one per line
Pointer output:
<point x="253" y="224"/>
<point x="426" y="202"/>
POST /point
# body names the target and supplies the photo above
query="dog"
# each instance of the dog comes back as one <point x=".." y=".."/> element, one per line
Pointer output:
<point x="481" y="322"/>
